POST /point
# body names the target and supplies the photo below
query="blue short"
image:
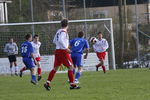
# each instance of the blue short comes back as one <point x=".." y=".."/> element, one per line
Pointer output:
<point x="29" y="63"/>
<point x="77" y="59"/>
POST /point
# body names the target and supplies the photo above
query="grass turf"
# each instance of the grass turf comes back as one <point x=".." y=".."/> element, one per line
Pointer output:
<point x="127" y="84"/>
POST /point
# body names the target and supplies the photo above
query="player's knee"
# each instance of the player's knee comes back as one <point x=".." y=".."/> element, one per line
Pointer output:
<point x="70" y="68"/>
<point x="11" y="64"/>
<point x="80" y="69"/>
<point x="15" y="63"/>
<point x="102" y="62"/>
<point x="38" y="64"/>
<point x="33" y="70"/>
<point x="56" y="68"/>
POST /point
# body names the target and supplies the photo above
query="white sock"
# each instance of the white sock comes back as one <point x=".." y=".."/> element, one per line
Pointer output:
<point x="16" y="69"/>
<point x="11" y="70"/>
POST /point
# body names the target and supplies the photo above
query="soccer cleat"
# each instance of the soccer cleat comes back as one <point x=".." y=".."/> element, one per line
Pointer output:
<point x="16" y="74"/>
<point x="76" y="81"/>
<point x="33" y="82"/>
<point x="104" y="72"/>
<point x="74" y="87"/>
<point x="47" y="87"/>
<point x="39" y="78"/>
<point x="12" y="74"/>
<point x="20" y="74"/>
<point x="96" y="68"/>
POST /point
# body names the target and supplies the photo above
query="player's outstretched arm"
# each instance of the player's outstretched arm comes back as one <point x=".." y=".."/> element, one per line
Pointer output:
<point x="32" y="55"/>
<point x="5" y="49"/>
<point x="86" y="53"/>
<point x="16" y="49"/>
<point x="106" y="45"/>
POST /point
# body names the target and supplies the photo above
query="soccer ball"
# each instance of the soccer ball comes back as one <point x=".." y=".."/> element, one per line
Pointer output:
<point x="93" y="40"/>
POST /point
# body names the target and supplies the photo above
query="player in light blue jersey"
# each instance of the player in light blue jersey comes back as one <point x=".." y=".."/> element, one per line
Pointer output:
<point x="28" y="57"/>
<point x="78" y="45"/>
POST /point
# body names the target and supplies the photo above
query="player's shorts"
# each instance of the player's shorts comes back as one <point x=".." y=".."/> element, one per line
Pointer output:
<point x="101" y="55"/>
<point x="29" y="63"/>
<point x="12" y="58"/>
<point x="77" y="59"/>
<point x="62" y="57"/>
<point x="38" y="59"/>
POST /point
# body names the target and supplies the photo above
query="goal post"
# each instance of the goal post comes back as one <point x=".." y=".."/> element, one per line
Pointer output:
<point x="109" y="29"/>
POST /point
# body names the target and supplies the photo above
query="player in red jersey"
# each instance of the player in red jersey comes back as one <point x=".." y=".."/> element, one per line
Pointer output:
<point x="62" y="56"/>
<point x="100" y="46"/>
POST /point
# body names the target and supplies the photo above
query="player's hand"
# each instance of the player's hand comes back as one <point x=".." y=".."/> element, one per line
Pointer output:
<point x="35" y="62"/>
<point x="68" y="50"/>
<point x="103" y="48"/>
<point x="85" y="56"/>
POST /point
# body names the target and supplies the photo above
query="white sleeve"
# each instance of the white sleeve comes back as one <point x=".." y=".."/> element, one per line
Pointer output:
<point x="16" y="49"/>
<point x="39" y="44"/>
<point x="5" y="48"/>
<point x="106" y="46"/>
<point x="55" y="37"/>
<point x="61" y="39"/>
<point x="94" y="47"/>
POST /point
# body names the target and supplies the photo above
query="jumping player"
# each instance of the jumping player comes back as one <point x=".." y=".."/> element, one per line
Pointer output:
<point x="28" y="57"/>
<point x="11" y="49"/>
<point x="36" y="51"/>
<point x="100" y="47"/>
<point x="77" y="46"/>
<point x="61" y="40"/>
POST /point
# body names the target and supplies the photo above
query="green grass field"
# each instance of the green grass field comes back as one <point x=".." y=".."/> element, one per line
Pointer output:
<point x="127" y="84"/>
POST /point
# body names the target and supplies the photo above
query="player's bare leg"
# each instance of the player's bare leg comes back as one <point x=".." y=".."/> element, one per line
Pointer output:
<point x="11" y="70"/>
<point x="16" y="68"/>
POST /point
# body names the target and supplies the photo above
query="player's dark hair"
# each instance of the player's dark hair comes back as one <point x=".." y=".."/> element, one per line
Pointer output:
<point x="10" y="38"/>
<point x="28" y="36"/>
<point x="80" y="34"/>
<point x="99" y="33"/>
<point x="36" y="36"/>
<point x="64" y="23"/>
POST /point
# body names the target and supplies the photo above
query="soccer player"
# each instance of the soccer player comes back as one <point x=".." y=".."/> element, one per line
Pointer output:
<point x="100" y="47"/>
<point x="77" y="46"/>
<point x="36" y="51"/>
<point x="28" y="57"/>
<point x="61" y="40"/>
<point x="11" y="49"/>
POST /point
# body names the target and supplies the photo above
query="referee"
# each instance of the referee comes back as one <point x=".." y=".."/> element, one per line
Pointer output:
<point x="11" y="49"/>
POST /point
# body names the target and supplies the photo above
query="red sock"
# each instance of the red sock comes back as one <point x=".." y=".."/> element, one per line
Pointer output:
<point x="104" y="69"/>
<point x="23" y="69"/>
<point x="98" y="65"/>
<point x="39" y="71"/>
<point x="51" y="75"/>
<point x="71" y="77"/>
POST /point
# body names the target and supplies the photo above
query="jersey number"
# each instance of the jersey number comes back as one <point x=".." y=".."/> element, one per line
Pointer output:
<point x="77" y="43"/>
<point x="24" y="49"/>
